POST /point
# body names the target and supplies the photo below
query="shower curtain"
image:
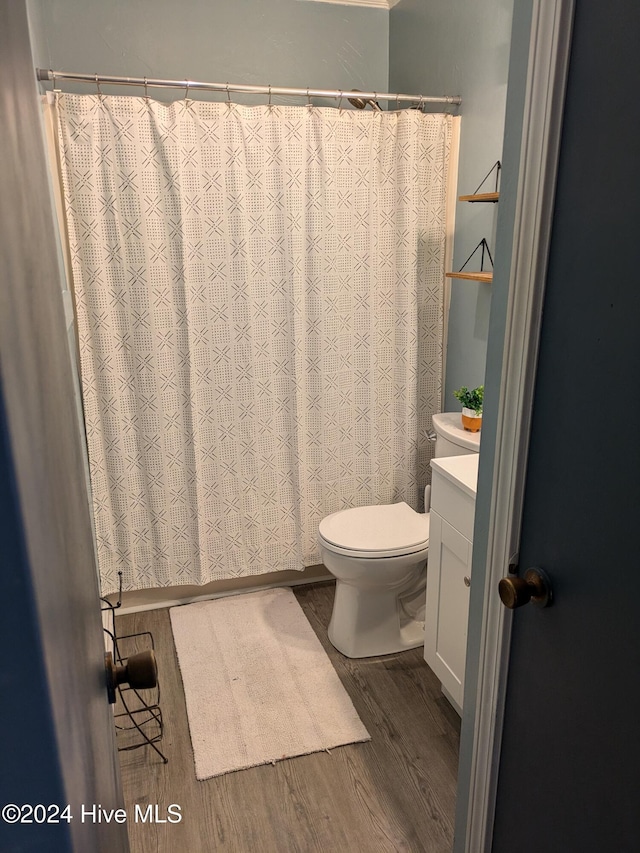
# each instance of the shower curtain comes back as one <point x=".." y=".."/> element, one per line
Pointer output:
<point x="259" y="306"/>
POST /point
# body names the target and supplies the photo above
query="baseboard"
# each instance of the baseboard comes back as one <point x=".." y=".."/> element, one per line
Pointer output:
<point x="155" y="599"/>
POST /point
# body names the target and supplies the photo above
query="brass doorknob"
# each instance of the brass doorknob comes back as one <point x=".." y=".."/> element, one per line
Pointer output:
<point x="140" y="672"/>
<point x="534" y="587"/>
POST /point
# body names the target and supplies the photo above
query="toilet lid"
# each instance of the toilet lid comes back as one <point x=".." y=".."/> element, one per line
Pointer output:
<point x="382" y="528"/>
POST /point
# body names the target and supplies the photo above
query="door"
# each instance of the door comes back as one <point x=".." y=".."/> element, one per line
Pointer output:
<point x="57" y="737"/>
<point x="570" y="757"/>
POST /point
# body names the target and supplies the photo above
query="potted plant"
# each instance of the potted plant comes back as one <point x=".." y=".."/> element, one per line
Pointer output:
<point x="471" y="407"/>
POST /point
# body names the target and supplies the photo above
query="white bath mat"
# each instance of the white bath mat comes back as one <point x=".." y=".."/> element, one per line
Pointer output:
<point x="259" y="686"/>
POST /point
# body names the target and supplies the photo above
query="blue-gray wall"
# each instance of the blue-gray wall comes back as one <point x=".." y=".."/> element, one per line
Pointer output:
<point x="460" y="47"/>
<point x="277" y="42"/>
<point x="437" y="47"/>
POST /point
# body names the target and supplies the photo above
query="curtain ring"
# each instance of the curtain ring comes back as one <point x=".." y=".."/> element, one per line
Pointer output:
<point x="397" y="100"/>
<point x="421" y="103"/>
<point x="309" y="104"/>
<point x="228" y="95"/>
<point x="98" y="86"/>
<point x="186" y="90"/>
<point x="53" y="78"/>
<point x="340" y="99"/>
<point x="269" y="95"/>
<point x="146" y="91"/>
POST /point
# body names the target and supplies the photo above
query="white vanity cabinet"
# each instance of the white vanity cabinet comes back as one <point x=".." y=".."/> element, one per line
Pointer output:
<point x="453" y="499"/>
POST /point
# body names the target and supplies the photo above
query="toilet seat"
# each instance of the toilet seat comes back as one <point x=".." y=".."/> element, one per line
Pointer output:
<point x="374" y="532"/>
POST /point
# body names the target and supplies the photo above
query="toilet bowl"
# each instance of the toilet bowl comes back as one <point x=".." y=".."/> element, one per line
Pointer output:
<point x="378" y="555"/>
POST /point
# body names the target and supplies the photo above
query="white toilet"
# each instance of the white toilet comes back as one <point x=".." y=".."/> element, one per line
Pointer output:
<point x="378" y="555"/>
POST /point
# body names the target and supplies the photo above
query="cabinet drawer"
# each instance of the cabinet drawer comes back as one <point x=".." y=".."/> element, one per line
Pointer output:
<point x="452" y="503"/>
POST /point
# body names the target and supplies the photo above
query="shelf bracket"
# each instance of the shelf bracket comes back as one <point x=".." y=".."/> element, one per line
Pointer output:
<point x="497" y="166"/>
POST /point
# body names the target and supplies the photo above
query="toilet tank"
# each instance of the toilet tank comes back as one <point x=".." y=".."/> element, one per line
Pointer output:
<point x="451" y="438"/>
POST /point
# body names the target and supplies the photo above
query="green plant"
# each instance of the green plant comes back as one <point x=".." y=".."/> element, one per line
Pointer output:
<point x="471" y="399"/>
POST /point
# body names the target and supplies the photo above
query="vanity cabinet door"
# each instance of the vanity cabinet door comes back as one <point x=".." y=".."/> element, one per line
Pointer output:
<point x="447" y="607"/>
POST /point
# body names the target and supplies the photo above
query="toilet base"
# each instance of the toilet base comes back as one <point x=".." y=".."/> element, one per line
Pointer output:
<point x="366" y="623"/>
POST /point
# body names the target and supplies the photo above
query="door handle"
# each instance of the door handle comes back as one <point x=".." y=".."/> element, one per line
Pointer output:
<point x="140" y="672"/>
<point x="534" y="587"/>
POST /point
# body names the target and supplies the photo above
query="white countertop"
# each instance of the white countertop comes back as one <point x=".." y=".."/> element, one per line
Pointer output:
<point x="460" y="470"/>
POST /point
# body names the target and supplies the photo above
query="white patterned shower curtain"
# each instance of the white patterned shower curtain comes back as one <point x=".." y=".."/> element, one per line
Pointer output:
<point x="259" y="307"/>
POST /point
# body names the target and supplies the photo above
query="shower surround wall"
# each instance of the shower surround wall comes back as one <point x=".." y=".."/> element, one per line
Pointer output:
<point x="460" y="47"/>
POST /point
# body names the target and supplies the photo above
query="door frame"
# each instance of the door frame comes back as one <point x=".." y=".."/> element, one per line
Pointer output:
<point x="535" y="105"/>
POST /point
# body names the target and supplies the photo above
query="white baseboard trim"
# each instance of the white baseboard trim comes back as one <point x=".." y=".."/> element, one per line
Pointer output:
<point x="174" y="602"/>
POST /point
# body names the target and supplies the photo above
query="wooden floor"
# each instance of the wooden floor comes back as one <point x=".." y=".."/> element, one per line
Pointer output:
<point x="394" y="793"/>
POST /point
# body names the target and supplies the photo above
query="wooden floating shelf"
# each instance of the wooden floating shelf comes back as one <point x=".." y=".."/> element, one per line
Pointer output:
<point x="472" y="276"/>
<point x="480" y="197"/>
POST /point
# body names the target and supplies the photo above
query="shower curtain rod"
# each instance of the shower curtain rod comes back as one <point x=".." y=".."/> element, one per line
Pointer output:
<point x="187" y="85"/>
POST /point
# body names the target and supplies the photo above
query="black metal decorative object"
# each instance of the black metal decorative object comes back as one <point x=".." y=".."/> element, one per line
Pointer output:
<point x="137" y="715"/>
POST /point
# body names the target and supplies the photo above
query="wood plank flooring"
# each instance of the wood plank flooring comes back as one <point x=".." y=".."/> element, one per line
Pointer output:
<point x="394" y="793"/>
